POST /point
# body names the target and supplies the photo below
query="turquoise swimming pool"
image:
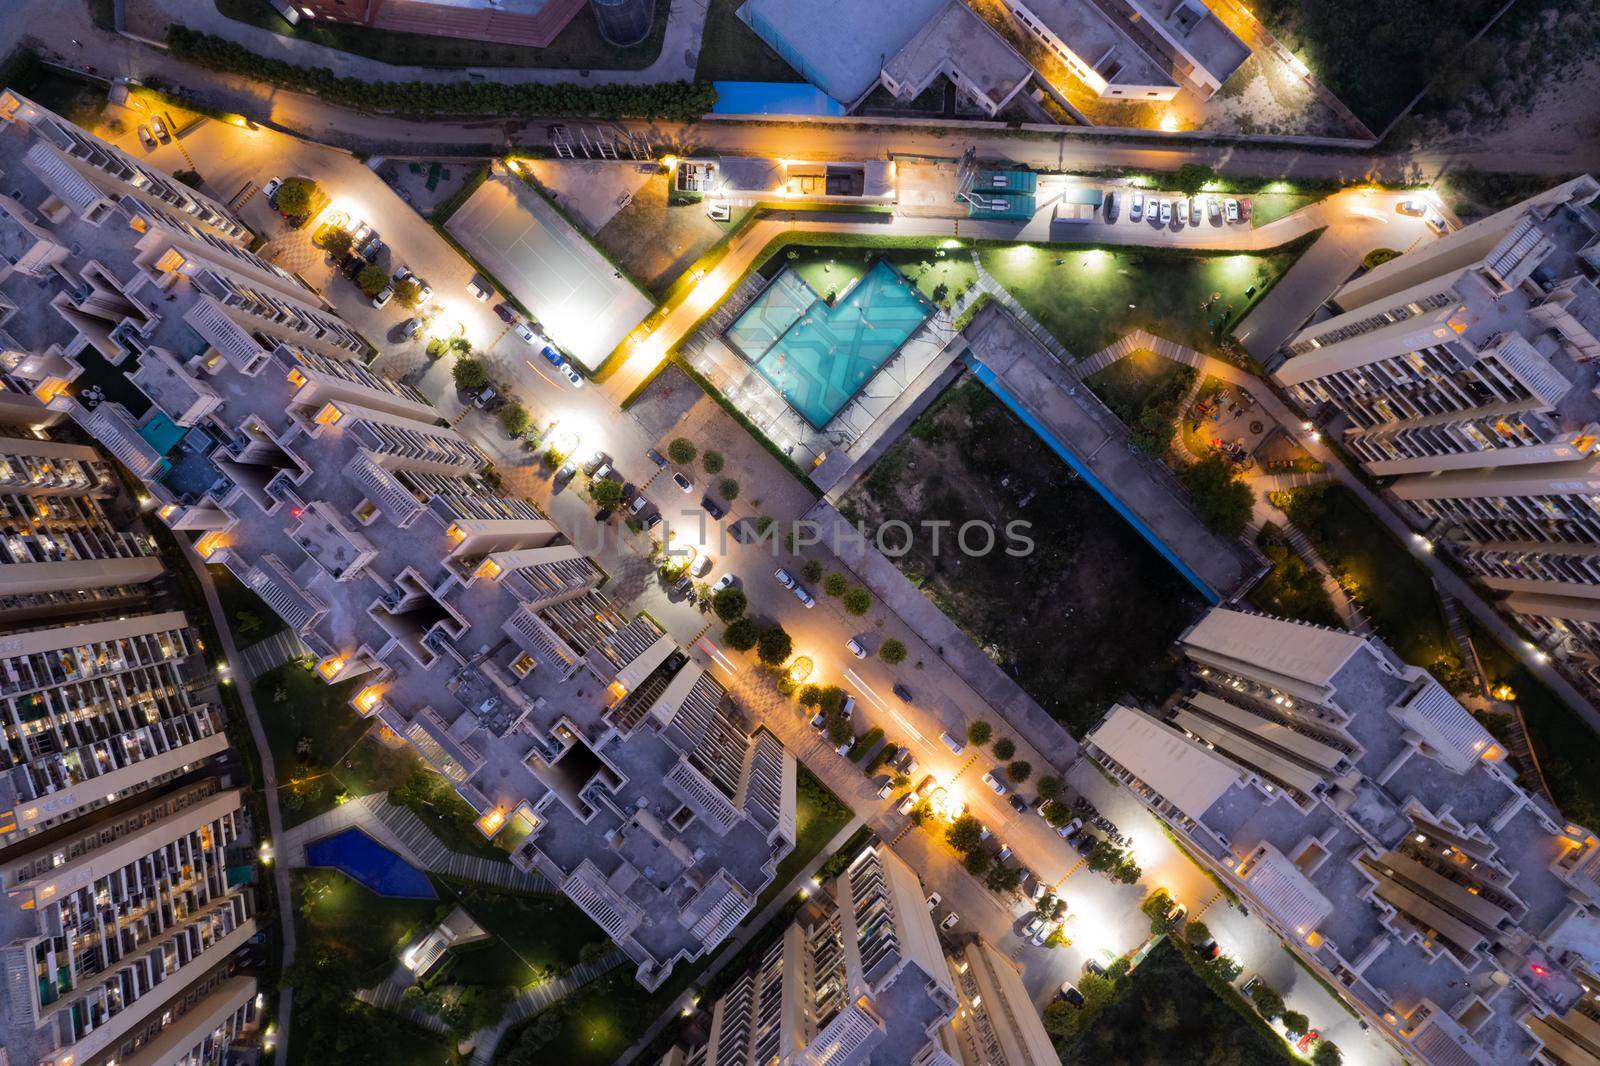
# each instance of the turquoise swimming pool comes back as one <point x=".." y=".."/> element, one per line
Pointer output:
<point x="818" y="356"/>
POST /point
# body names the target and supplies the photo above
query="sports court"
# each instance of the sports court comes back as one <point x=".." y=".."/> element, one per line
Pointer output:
<point x="577" y="296"/>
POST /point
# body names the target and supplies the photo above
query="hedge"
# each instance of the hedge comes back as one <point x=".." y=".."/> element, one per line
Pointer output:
<point x="679" y="101"/>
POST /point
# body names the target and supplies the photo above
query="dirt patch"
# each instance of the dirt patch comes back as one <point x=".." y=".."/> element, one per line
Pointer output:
<point x="1087" y="616"/>
<point x="656" y="240"/>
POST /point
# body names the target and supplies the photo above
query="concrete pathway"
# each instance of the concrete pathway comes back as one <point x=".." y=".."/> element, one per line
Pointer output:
<point x="680" y="49"/>
<point x="269" y="786"/>
<point x="269" y="654"/>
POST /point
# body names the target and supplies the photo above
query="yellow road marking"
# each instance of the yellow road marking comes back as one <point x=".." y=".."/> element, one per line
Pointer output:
<point x="1076" y="867"/>
<point x="1205" y="906"/>
<point x="964" y="768"/>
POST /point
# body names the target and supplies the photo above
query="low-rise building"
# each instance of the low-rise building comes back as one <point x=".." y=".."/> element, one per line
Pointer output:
<point x="1099" y="50"/>
<point x="1376" y="826"/>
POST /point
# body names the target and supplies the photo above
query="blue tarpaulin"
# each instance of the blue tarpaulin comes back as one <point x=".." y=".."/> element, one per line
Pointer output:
<point x="773" y="98"/>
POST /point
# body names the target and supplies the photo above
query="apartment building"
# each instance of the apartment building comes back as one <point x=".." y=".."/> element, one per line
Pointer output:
<point x="1374" y="824"/>
<point x="1099" y="48"/>
<point x="1465" y="370"/>
<point x="996" y="1023"/>
<point x="118" y="937"/>
<point x="344" y="500"/>
<point x="859" y="978"/>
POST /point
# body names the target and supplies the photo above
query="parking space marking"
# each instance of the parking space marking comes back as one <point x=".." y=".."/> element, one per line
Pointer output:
<point x="1075" y="868"/>
<point x="964" y="768"/>
<point x="697" y="636"/>
<point x="1206" y="905"/>
<point x="541" y="373"/>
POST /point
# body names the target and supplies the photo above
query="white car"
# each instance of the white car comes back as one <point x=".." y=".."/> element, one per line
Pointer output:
<point x="572" y="375"/>
<point x="934" y="901"/>
<point x="783" y="578"/>
<point x="1414" y="208"/>
<point x="997" y="786"/>
<point x="1213" y="210"/>
<point x="950" y="922"/>
<point x="701" y="566"/>
<point x="725" y="581"/>
<point x="1166" y="212"/>
<point x="682" y="482"/>
<point x="269" y="190"/>
<point x="383" y="297"/>
<point x="1194" y="210"/>
<point x="639" y="503"/>
<point x="885" y="788"/>
<point x="905" y="806"/>
<point x="1136" y="207"/>
<point x="1041" y="934"/>
<point x="804" y="597"/>
<point x="855" y="648"/>
<point x="479" y="291"/>
<point x="1035" y="924"/>
<point x="527" y="334"/>
<point x="1230" y="208"/>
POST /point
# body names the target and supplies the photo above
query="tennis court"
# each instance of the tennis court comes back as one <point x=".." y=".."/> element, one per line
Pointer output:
<point x="551" y="268"/>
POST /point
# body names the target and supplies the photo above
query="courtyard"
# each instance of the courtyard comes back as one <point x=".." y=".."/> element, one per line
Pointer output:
<point x="1091" y="583"/>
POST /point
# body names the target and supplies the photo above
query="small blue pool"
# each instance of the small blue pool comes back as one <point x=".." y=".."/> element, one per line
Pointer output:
<point x="363" y="859"/>
<point x="162" y="433"/>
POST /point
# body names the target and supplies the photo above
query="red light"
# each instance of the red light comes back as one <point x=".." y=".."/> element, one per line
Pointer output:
<point x="297" y="512"/>
<point x="1539" y="970"/>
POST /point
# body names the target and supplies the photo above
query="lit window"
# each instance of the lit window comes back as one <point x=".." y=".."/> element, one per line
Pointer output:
<point x="329" y="414"/>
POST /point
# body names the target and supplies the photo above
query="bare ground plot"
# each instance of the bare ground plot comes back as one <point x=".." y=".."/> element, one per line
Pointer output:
<point x="1088" y="616"/>
<point x="654" y="240"/>
<point x="731" y="51"/>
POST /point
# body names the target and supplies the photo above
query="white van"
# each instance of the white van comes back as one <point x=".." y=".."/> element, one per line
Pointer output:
<point x="955" y="745"/>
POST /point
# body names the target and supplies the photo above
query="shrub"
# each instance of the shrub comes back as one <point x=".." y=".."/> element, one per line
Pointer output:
<point x="892" y="651"/>
<point x="1197" y="933"/>
<point x="1057" y="813"/>
<point x="372" y="279"/>
<point x="979" y="732"/>
<point x="977" y="862"/>
<point x="839" y="729"/>
<point x="469" y="374"/>
<point x="1190" y="178"/>
<point x="1004" y="748"/>
<point x="729" y="489"/>
<point x="682" y="450"/>
<point x="1156" y="906"/>
<point x="729" y="603"/>
<point x="1377" y="257"/>
<point x="1326" y="1053"/>
<point x="679" y="101"/>
<point x="605" y="492"/>
<point x="774" y="646"/>
<point x="1295" y="1023"/>
<point x="742" y="634"/>
<point x="1267" y="1000"/>
<point x="338" y="242"/>
<point x="1003" y="878"/>
<point x="1019" y="771"/>
<point x="1048" y="787"/>
<point x="810" y="696"/>
<point x="1223" y="502"/>
<point x="295" y="196"/>
<point x="835" y="583"/>
<point x="857" y="601"/>
<point x="811" y="570"/>
<point x="712" y="461"/>
<point x="514" y="419"/>
<point x="965" y="833"/>
<point x="408" y="293"/>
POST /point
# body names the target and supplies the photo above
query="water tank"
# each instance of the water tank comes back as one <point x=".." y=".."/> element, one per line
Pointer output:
<point x="624" y="22"/>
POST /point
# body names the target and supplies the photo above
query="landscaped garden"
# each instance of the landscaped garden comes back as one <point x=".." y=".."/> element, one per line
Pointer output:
<point x="819" y="815"/>
<point x="941" y="275"/>
<point x="1090" y="585"/>
<point x="1089" y="297"/>
<point x="249" y="619"/>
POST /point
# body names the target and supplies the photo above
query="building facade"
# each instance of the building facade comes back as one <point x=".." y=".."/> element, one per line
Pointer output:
<point x="477" y="633"/>
<point x="1375" y="826"/>
<point x="1465" y="371"/>
<point x="530" y="23"/>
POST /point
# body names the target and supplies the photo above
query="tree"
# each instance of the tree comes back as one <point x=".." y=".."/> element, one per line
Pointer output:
<point x="1196" y="933"/>
<point x="1105" y="856"/>
<point x="1156" y="906"/>
<point x="742" y="634"/>
<point x="774" y="646"/>
<point x="1004" y="748"/>
<point x="1118" y="968"/>
<point x="1326" y="1053"/>
<point x="469" y="374"/>
<point x="980" y="731"/>
<point x="811" y="570"/>
<point x="892" y="651"/>
<point x="1049" y="907"/>
<point x="810" y="696"/>
<point x="682" y="450"/>
<point x="338" y="242"/>
<point x="839" y="729"/>
<point x="608" y="493"/>
<point x="1191" y="178"/>
<point x="729" y="489"/>
<point x="977" y="862"/>
<point x="1267" y="1000"/>
<point x="730" y="603"/>
<point x="514" y="420"/>
<point x="1295" y="1023"/>
<point x="1049" y="787"/>
<point x="712" y="461"/>
<point x="835" y="584"/>
<point x="832" y="701"/>
<point x="295" y="196"/>
<point x="408" y="293"/>
<point x="1225" y="967"/>
<point x="372" y="279"/>
<point x="1127" y="871"/>
<point x="857" y="601"/>
<point x="1003" y="878"/>
<point x="1019" y="771"/>
<point x="1057" y="814"/>
<point x="1223" y="502"/>
<point x="965" y="833"/>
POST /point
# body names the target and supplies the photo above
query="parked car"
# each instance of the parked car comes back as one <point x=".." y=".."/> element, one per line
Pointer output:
<point x="997" y="786"/>
<point x="848" y="708"/>
<point x="1092" y="965"/>
<point x="725" y="581"/>
<point x="148" y="139"/>
<point x="574" y="378"/>
<point x="639" y="503"/>
<point x="1070" y="993"/>
<point x="351" y="265"/>
<point x="1018" y="804"/>
<point x="424" y="290"/>
<point x="527" y="334"/>
<point x="907" y="803"/>
<point x="506" y="312"/>
<point x="885" y="788"/>
<point x="804" y="597"/>
<point x="269" y="190"/>
<point x="783" y="578"/>
<point x="1003" y="854"/>
<point x="844" y="749"/>
<point x="1166" y="212"/>
<point x="950" y="922"/>
<point x="1414" y="208"/>
<point x="902" y="692"/>
<point x="854" y="647"/>
<point x="485" y="397"/>
<point x="567" y="472"/>
<point x="682" y="482"/>
<point x="654" y="456"/>
<point x="713" y="508"/>
<point x="596" y="460"/>
<point x="1244" y="210"/>
<point x="934" y="901"/>
<point x="1066" y="831"/>
<point x="1086" y="843"/>
<point x="653" y="521"/>
<point x="479" y="291"/>
<point x="552" y="355"/>
<point x="1033" y="925"/>
<point x="819" y="721"/>
<point x="1194" y="210"/>
<point x="381" y="299"/>
<point x="954" y="743"/>
<point x="701" y="566"/>
<point x="1214" y="210"/>
<point x="1136" y="207"/>
<point x="411" y="326"/>
<point x="1436" y="223"/>
<point x="1039" y="890"/>
<point x="1041" y="934"/>
<point x="1110" y="206"/>
<point x="1211" y="950"/>
<point x="603" y="515"/>
<point x="159" y="128"/>
<point x="1230" y="208"/>
<point x="370" y="247"/>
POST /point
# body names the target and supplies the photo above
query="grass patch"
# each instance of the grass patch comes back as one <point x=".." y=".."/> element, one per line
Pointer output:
<point x="249" y="618"/>
<point x="1087" y="615"/>
<point x="941" y="278"/>
<point x="1089" y="297"/>
<point x="1291" y="589"/>
<point x="654" y="239"/>
<point x="1131" y="384"/>
<point x="1380" y="573"/>
<point x="731" y="51"/>
<point x="1268" y="207"/>
<point x="441" y="214"/>
<point x="579" y="46"/>
<point x="819" y="815"/>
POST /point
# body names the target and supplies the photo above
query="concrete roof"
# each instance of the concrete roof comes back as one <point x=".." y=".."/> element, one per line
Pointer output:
<point x="1192" y="27"/>
<point x="1096" y="39"/>
<point x="958" y="36"/>
<point x="842" y="53"/>
<point x="1306" y="654"/>
<point x="1187" y="774"/>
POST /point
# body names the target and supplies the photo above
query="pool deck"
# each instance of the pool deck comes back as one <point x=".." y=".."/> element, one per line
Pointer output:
<point x="1091" y="439"/>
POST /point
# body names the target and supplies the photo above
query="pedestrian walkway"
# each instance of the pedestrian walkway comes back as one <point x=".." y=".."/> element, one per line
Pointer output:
<point x="1463" y="639"/>
<point x="264" y="655"/>
<point x="401" y="831"/>
<point x="1002" y="295"/>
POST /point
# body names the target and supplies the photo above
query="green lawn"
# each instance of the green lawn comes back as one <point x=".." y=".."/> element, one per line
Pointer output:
<point x="1392" y="586"/>
<point x="250" y="619"/>
<point x="1127" y="385"/>
<point x="829" y="268"/>
<point x="332" y="908"/>
<point x="578" y="47"/>
<point x="1090" y="297"/>
<point x="1270" y="206"/>
<point x="731" y="51"/>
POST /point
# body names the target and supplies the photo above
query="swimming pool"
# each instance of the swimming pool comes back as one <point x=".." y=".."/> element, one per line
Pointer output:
<point x="818" y="356"/>
<point x="363" y="859"/>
